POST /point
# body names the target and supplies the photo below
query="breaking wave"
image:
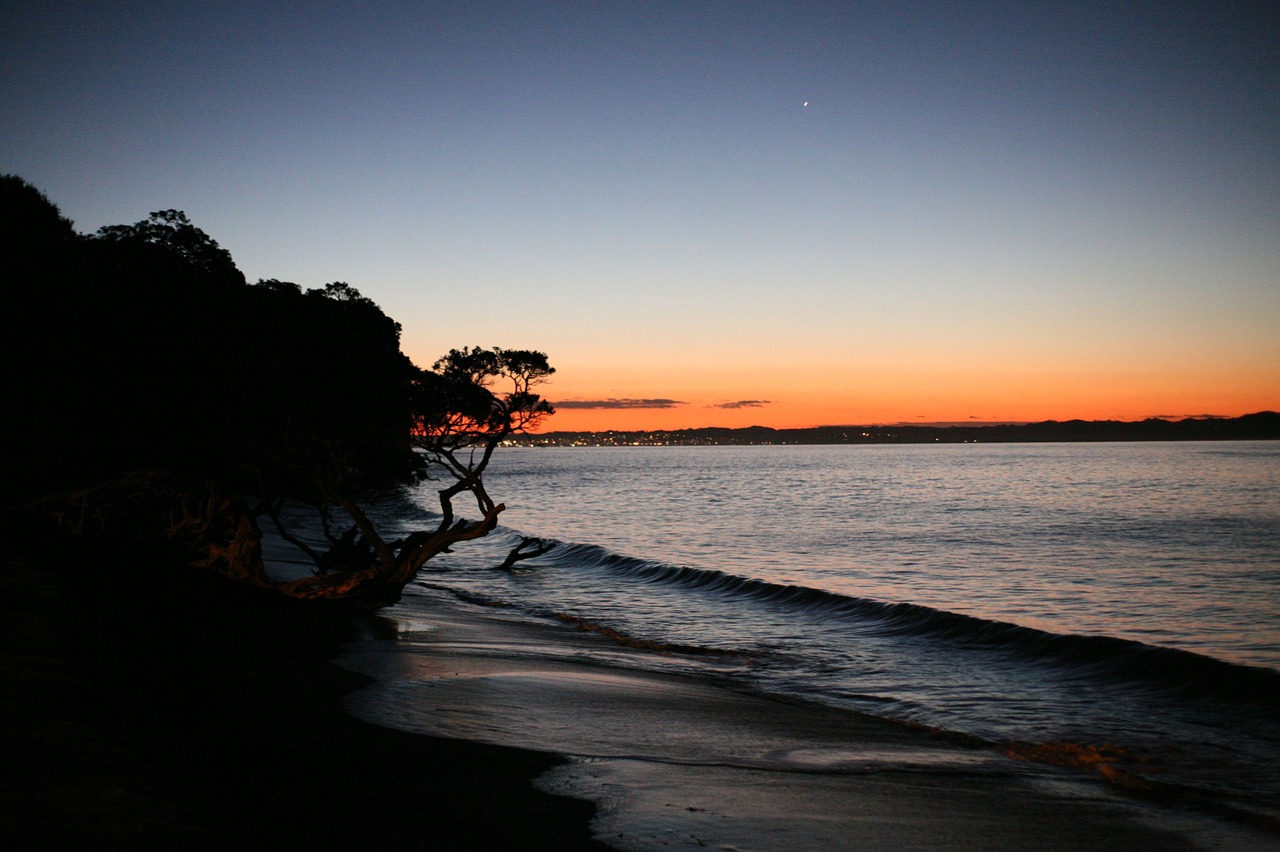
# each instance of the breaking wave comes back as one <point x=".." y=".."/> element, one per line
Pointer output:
<point x="1151" y="667"/>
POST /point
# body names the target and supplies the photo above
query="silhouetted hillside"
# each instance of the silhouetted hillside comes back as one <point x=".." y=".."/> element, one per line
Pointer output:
<point x="1263" y="426"/>
<point x="143" y="347"/>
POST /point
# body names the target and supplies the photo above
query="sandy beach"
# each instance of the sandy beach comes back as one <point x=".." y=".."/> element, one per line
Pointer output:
<point x="171" y="715"/>
<point x="675" y="762"/>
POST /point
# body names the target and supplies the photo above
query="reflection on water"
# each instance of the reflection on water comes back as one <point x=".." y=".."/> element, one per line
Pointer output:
<point x="1017" y="594"/>
<point x="684" y="762"/>
<point x="1177" y="544"/>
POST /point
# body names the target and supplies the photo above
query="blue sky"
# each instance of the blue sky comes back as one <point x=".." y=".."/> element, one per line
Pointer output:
<point x="985" y="211"/>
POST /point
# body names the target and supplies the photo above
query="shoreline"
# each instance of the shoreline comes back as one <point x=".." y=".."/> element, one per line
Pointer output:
<point x="1259" y="426"/>
<point x="675" y="760"/>
<point x="173" y="716"/>
<point x="177" y="713"/>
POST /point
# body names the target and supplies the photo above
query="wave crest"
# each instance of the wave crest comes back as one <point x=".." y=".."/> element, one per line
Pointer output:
<point x="1093" y="656"/>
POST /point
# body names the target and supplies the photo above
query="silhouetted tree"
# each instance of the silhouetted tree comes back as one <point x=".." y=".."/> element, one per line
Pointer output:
<point x="39" y="323"/>
<point x="277" y="286"/>
<point x="167" y="400"/>
<point x="462" y="410"/>
<point x="172" y="231"/>
<point x="341" y="291"/>
<point x="29" y="222"/>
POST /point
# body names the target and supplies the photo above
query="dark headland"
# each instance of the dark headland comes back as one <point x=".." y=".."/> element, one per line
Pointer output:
<point x="1262" y="426"/>
<point x="146" y="703"/>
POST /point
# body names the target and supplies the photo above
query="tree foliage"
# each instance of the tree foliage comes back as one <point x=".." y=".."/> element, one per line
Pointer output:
<point x="171" y="232"/>
<point x="29" y="221"/>
<point x="175" y="400"/>
<point x="470" y="401"/>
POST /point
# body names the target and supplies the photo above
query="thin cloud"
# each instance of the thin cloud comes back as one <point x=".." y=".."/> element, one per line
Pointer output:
<point x="615" y="404"/>
<point x="744" y="403"/>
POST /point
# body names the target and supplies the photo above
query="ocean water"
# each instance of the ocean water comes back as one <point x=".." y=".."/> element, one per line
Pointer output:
<point x="1050" y="600"/>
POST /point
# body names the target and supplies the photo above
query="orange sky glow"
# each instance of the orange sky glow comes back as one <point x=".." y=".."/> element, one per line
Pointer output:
<point x="864" y="216"/>
<point x="898" y="398"/>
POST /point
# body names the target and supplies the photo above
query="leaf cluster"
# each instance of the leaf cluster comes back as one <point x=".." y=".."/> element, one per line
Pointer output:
<point x="167" y="237"/>
<point x="473" y="396"/>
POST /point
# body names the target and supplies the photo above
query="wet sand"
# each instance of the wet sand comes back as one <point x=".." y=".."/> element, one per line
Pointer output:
<point x="168" y="715"/>
<point x="685" y="762"/>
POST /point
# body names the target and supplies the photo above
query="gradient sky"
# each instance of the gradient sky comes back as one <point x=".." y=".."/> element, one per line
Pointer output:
<point x="787" y="214"/>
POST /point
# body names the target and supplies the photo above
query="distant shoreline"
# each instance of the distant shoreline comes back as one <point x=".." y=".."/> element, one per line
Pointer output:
<point x="1262" y="426"/>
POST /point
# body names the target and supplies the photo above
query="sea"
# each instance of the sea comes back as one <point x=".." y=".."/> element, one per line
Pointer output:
<point x="1086" y="606"/>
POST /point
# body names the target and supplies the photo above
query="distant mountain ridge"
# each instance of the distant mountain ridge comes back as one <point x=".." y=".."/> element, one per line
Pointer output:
<point x="1262" y="426"/>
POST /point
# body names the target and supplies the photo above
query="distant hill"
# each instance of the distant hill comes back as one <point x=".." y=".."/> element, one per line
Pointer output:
<point x="1263" y="426"/>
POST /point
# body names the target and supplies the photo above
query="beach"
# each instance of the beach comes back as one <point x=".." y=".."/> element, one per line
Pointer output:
<point x="680" y="762"/>
<point x="194" y="726"/>
<point x="172" y="715"/>
<point x="175" y="712"/>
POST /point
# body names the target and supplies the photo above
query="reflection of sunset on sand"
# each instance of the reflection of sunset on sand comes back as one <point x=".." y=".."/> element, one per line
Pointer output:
<point x="1045" y="620"/>
<point x="684" y="763"/>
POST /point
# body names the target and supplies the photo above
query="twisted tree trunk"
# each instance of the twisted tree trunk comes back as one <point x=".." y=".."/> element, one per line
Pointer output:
<point x="220" y="534"/>
<point x="382" y="583"/>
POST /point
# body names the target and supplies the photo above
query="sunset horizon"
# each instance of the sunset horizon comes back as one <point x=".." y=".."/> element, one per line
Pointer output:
<point x="573" y="419"/>
<point x="791" y="215"/>
<point x="606" y="420"/>
<point x="675" y="404"/>
<point x="939" y="342"/>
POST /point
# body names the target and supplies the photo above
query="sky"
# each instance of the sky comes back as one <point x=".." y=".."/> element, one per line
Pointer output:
<point x="714" y="213"/>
